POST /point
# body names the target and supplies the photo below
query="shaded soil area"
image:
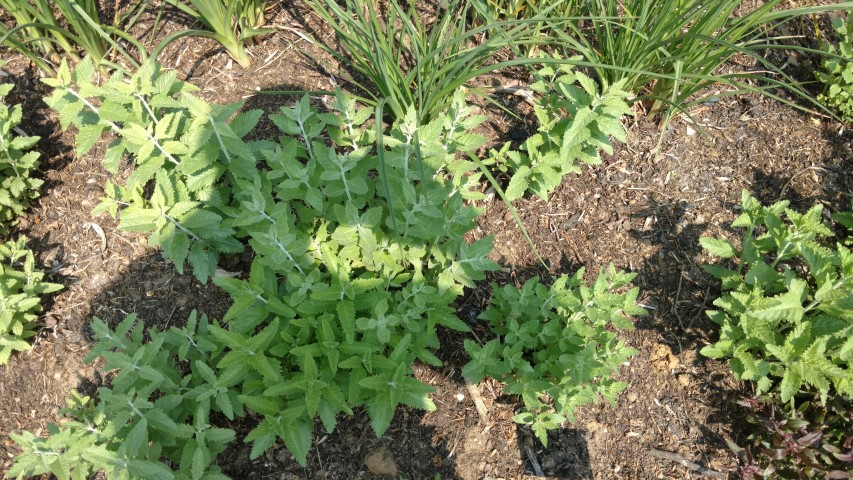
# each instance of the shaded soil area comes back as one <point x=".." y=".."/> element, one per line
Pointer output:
<point x="642" y="210"/>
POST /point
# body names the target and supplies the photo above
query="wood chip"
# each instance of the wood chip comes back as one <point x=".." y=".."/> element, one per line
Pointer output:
<point x="99" y="231"/>
<point x="478" y="402"/>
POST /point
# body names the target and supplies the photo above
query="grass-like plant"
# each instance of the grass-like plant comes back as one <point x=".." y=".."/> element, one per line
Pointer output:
<point x="410" y="63"/>
<point x="670" y="50"/>
<point x="47" y="31"/>
<point x="231" y="23"/>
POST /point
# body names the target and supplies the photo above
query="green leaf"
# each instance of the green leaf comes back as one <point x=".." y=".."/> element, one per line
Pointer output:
<point x="790" y="385"/>
<point x="298" y="436"/>
<point x="718" y="247"/>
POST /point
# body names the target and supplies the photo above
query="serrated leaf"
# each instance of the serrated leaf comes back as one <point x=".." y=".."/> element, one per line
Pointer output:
<point x="718" y="247"/>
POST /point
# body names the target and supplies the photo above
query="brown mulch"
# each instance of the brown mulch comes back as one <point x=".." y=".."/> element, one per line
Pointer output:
<point x="643" y="210"/>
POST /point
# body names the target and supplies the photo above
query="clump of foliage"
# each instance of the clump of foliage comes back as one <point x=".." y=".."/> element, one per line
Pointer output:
<point x="837" y="71"/>
<point x="230" y="22"/>
<point x="46" y="31"/>
<point x="17" y="186"/>
<point x="670" y="50"/>
<point x="786" y="324"/>
<point x="359" y="255"/>
<point x="158" y="408"/>
<point x="576" y="120"/>
<point x="786" y="314"/>
<point x="555" y="346"/>
<point x="410" y="62"/>
<point x="182" y="145"/>
<point x="815" y="441"/>
<point x="357" y="234"/>
<point x="21" y="289"/>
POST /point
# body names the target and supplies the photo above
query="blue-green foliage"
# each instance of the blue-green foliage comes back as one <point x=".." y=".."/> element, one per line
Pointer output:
<point x="188" y="149"/>
<point x="357" y="239"/>
<point x="359" y="254"/>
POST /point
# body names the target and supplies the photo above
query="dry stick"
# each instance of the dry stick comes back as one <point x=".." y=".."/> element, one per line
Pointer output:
<point x="532" y="457"/>
<point x="524" y="93"/>
<point x="478" y="402"/>
<point x="687" y="463"/>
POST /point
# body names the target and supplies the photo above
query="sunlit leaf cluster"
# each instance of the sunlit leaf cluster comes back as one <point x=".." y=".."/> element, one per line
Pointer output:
<point x="786" y="313"/>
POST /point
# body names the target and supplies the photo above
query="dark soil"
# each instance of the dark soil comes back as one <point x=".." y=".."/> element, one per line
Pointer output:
<point x="644" y="210"/>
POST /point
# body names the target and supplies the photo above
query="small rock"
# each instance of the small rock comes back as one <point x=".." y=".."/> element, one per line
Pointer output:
<point x="380" y="462"/>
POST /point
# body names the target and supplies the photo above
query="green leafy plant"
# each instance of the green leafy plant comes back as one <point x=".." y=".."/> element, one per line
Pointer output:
<point x="17" y="186"/>
<point x="786" y="314"/>
<point x="47" y="31"/>
<point x="836" y="72"/>
<point x="21" y="291"/>
<point x="231" y="23"/>
<point x="357" y="235"/>
<point x="815" y="441"/>
<point x="555" y="347"/>
<point x="153" y="422"/>
<point x="354" y="269"/>
<point x="177" y="141"/>
<point x="576" y="120"/>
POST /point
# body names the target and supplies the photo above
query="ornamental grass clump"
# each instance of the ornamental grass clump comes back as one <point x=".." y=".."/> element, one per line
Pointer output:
<point x="408" y="62"/>
<point x="671" y="50"/>
<point x="48" y="31"/>
<point x="231" y="23"/>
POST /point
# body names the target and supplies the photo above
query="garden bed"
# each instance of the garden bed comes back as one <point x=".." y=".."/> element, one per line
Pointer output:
<point x="642" y="210"/>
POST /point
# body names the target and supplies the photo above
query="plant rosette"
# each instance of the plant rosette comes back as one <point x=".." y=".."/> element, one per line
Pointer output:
<point x="556" y="347"/>
<point x="786" y="313"/>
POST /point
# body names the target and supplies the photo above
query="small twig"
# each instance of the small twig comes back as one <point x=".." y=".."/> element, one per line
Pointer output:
<point x="677" y="296"/>
<point x="788" y="184"/>
<point x="522" y="92"/>
<point x="532" y="457"/>
<point x="478" y="402"/>
<point x="701" y="309"/>
<point x="686" y="463"/>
